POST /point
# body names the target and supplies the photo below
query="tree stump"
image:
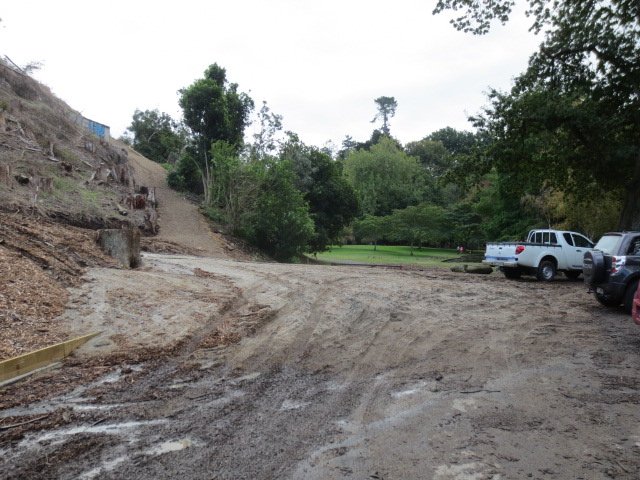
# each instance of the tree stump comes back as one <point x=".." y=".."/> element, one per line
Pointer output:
<point x="45" y="184"/>
<point x="122" y="244"/>
<point x="5" y="174"/>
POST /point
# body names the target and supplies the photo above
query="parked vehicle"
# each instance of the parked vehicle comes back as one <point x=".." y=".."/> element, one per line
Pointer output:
<point x="545" y="253"/>
<point x="635" y="309"/>
<point x="612" y="269"/>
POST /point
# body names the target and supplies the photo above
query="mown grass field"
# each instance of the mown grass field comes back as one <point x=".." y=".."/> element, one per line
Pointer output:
<point x="391" y="255"/>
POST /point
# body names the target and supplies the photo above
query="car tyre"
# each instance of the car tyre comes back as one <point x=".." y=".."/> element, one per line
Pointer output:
<point x="629" y="293"/>
<point x="546" y="270"/>
<point x="606" y="301"/>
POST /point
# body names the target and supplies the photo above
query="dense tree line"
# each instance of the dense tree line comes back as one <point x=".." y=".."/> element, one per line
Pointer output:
<point x="560" y="149"/>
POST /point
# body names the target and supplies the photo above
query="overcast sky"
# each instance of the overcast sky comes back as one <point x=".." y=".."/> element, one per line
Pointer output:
<point x="318" y="64"/>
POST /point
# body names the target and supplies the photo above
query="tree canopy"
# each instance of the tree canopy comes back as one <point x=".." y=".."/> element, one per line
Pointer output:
<point x="157" y="136"/>
<point x="214" y="109"/>
<point x="384" y="177"/>
<point x="332" y="200"/>
<point x="573" y="118"/>
<point x="386" y="110"/>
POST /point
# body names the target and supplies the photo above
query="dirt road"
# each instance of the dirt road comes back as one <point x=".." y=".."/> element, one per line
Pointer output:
<point x="292" y="371"/>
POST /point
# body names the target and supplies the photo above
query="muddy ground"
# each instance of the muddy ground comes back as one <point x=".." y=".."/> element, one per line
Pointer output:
<point x="292" y="371"/>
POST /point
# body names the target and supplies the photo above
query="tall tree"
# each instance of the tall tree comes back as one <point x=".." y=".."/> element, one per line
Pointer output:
<point x="384" y="178"/>
<point x="213" y="110"/>
<point x="157" y="136"/>
<point x="386" y="110"/>
<point x="332" y="200"/>
<point x="575" y="112"/>
<point x="279" y="223"/>
<point x="265" y="141"/>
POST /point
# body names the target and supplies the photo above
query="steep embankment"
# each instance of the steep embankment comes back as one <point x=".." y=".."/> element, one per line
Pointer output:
<point x="179" y="220"/>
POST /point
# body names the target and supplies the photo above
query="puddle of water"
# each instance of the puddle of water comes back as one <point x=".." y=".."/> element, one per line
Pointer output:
<point x="160" y="449"/>
<point x="70" y="400"/>
<point x="410" y="391"/>
<point x="466" y="471"/>
<point x="86" y="407"/>
<point x="110" y="429"/>
<point x="292" y="405"/>
<point x="461" y="404"/>
<point x="250" y="376"/>
<point x="104" y="468"/>
<point x="171" y="446"/>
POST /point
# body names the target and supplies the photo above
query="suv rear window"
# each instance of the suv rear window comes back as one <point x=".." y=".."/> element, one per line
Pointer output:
<point x="608" y="244"/>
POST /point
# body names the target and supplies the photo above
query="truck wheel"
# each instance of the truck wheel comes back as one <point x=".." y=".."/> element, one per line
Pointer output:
<point x="512" y="273"/>
<point x="593" y="268"/>
<point x="572" y="274"/>
<point x="546" y="271"/>
<point x="629" y="293"/>
<point x="607" y="302"/>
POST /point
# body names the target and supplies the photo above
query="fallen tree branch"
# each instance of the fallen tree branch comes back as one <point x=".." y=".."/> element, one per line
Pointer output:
<point x="7" y="427"/>
<point x="481" y="390"/>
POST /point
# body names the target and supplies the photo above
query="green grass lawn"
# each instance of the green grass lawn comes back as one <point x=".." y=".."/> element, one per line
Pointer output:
<point x="385" y="255"/>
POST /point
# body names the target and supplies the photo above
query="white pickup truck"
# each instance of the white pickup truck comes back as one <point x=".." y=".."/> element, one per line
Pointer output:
<point x="543" y="254"/>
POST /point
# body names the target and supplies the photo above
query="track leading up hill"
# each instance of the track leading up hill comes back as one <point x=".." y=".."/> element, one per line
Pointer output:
<point x="179" y="220"/>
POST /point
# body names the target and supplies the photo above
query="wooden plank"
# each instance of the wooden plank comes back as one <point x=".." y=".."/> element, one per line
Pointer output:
<point x="31" y="361"/>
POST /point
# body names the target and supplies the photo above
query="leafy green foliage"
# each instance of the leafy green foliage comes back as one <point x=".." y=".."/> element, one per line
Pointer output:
<point x="369" y="229"/>
<point x="280" y="223"/>
<point x="332" y="201"/>
<point x="418" y="225"/>
<point x="265" y="140"/>
<point x="572" y="118"/>
<point x="386" y="110"/>
<point x="157" y="136"/>
<point x="214" y="109"/>
<point x="384" y="178"/>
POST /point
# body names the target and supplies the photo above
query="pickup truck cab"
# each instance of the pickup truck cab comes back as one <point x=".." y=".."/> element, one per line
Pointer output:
<point x="544" y="254"/>
<point x="612" y="269"/>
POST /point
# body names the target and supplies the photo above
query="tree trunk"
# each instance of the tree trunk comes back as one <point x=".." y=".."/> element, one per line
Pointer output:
<point x="630" y="216"/>
<point x="122" y="244"/>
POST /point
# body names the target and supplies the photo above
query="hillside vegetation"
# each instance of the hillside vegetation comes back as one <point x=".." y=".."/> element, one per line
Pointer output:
<point x="58" y="183"/>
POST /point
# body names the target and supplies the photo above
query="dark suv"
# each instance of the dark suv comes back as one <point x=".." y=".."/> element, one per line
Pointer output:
<point x="612" y="268"/>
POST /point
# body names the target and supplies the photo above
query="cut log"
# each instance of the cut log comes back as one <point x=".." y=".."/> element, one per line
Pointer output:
<point x="122" y="244"/>
<point x="482" y="269"/>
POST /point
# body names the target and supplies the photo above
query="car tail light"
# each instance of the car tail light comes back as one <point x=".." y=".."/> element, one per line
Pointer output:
<point x="617" y="263"/>
<point x="519" y="249"/>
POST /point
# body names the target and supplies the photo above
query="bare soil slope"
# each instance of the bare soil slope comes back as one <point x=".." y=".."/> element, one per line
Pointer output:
<point x="180" y="221"/>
